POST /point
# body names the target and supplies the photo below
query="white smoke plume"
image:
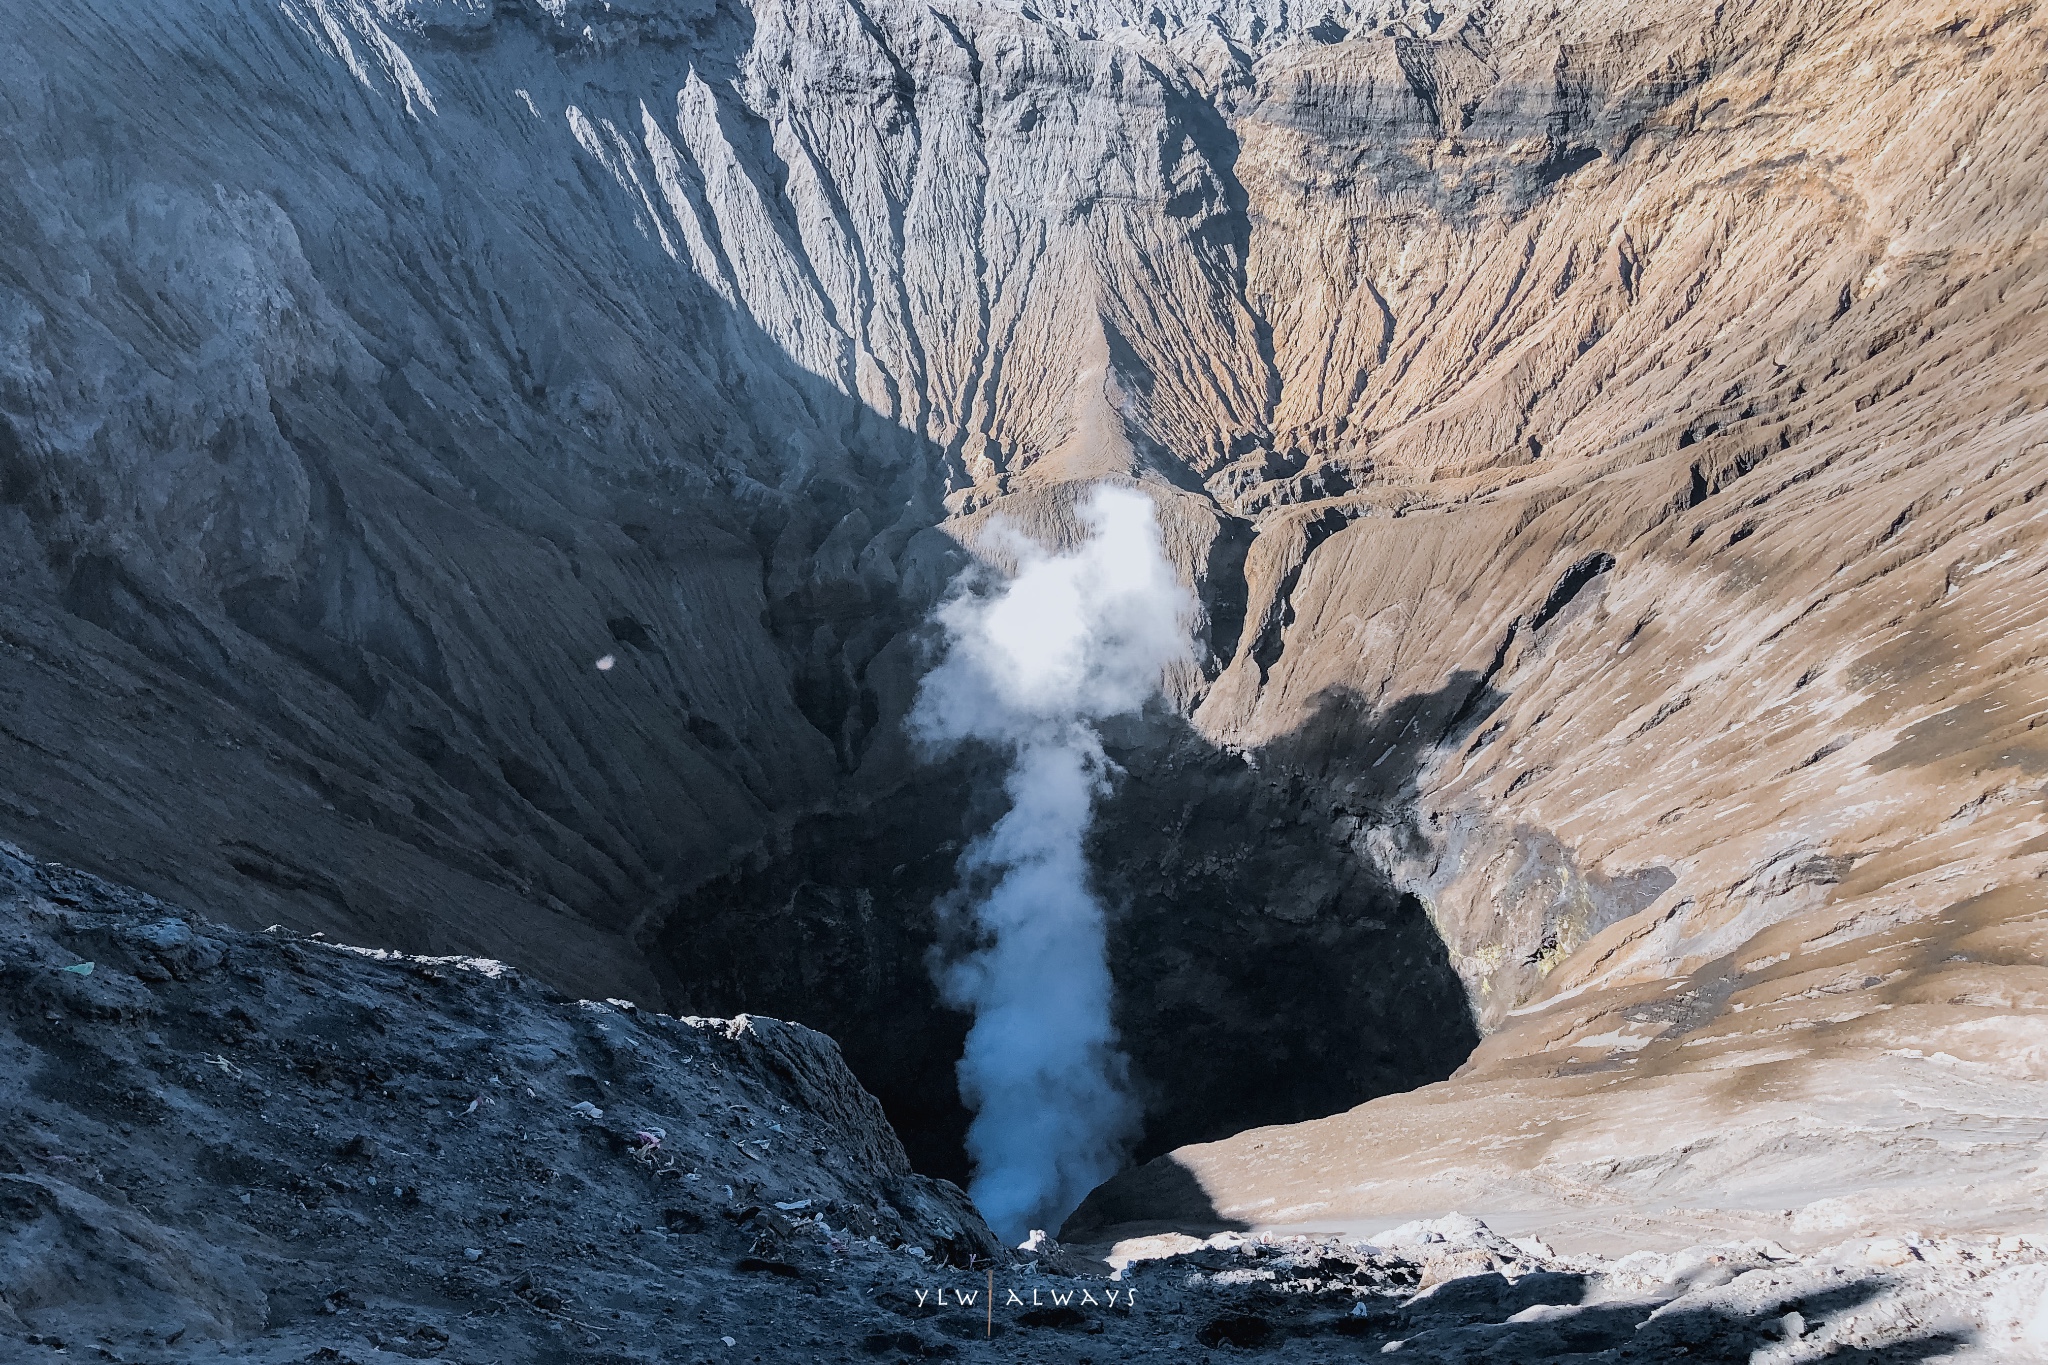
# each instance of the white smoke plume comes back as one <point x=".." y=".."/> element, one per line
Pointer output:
<point x="1071" y="640"/>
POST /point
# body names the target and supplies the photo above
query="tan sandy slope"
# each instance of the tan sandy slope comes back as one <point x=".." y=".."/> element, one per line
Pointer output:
<point x="1771" y="378"/>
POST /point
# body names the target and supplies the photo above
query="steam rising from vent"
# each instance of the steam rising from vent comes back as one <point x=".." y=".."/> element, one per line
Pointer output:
<point x="1073" y="639"/>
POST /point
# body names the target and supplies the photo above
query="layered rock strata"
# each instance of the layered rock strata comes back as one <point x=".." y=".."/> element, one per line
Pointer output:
<point x="1607" y="440"/>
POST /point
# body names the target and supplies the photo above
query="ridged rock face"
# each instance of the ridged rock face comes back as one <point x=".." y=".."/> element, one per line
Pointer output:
<point x="371" y="371"/>
<point x="1705" y="409"/>
<point x="1606" y="438"/>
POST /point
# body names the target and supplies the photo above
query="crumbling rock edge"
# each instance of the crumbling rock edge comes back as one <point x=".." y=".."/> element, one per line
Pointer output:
<point x="272" y="1145"/>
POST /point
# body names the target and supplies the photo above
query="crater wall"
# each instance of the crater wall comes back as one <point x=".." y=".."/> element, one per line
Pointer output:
<point x="1606" y="442"/>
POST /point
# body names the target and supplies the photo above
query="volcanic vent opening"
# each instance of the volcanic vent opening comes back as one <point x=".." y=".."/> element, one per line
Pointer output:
<point x="1078" y="934"/>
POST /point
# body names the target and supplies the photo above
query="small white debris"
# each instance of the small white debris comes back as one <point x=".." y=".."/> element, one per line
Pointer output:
<point x="472" y="1254"/>
<point x="794" y="1204"/>
<point x="605" y="665"/>
<point x="587" y="1109"/>
<point x="729" y="1341"/>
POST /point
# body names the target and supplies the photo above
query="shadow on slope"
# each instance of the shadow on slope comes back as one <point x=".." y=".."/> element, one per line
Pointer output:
<point x="1160" y="1196"/>
<point x="1265" y="971"/>
<point x="333" y="665"/>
